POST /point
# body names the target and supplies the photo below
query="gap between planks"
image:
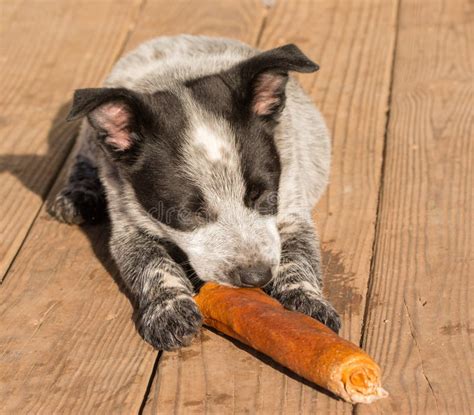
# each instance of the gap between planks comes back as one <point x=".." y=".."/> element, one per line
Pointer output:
<point x="381" y="187"/>
<point x="153" y="373"/>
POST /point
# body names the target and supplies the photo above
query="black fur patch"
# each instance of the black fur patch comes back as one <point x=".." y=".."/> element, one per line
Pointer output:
<point x="256" y="145"/>
<point x="83" y="199"/>
<point x="159" y="183"/>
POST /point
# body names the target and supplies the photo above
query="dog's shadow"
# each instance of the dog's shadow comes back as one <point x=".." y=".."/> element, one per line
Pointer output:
<point x="40" y="172"/>
<point x="60" y="141"/>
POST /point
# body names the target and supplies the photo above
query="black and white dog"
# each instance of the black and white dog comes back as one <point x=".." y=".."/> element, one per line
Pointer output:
<point x="206" y="145"/>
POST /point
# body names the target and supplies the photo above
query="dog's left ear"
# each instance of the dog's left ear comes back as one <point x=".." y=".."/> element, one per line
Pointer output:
<point x="115" y="113"/>
<point x="263" y="78"/>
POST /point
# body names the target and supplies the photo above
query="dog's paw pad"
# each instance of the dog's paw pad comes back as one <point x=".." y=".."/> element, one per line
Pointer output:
<point x="170" y="325"/>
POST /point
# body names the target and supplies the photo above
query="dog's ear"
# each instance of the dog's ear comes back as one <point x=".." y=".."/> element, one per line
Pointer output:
<point x="263" y="78"/>
<point x="115" y="113"/>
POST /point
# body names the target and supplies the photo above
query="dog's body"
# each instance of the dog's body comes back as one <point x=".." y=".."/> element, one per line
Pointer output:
<point x="204" y="144"/>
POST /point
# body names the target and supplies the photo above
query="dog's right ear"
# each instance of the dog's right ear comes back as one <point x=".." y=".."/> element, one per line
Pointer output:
<point x="261" y="80"/>
<point x="115" y="113"/>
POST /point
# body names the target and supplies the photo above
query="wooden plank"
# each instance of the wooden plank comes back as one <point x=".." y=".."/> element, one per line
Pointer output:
<point x="353" y="41"/>
<point x="419" y="319"/>
<point x="240" y="20"/>
<point x="47" y="48"/>
<point x="67" y="342"/>
<point x="218" y="376"/>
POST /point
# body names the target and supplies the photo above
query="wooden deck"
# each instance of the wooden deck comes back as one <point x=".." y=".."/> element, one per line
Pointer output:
<point x="396" y="87"/>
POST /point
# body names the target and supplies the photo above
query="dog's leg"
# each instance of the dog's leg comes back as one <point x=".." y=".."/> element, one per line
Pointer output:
<point x="298" y="284"/>
<point x="167" y="316"/>
<point x="82" y="199"/>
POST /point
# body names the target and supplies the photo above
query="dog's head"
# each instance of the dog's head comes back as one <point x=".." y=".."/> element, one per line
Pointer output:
<point x="202" y="161"/>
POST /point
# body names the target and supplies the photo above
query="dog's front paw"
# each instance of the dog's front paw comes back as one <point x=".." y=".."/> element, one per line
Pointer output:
<point x="311" y="304"/>
<point x="170" y="325"/>
<point x="77" y="206"/>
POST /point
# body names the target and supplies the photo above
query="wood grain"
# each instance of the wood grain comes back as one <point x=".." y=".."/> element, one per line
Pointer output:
<point x="48" y="48"/>
<point x="227" y="18"/>
<point x="67" y="341"/>
<point x="419" y="323"/>
<point x="353" y="42"/>
<point x="218" y="376"/>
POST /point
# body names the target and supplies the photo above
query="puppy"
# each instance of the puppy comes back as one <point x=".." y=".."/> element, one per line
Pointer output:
<point x="204" y="146"/>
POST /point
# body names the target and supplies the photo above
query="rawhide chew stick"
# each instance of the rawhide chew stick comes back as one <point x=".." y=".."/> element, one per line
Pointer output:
<point x="296" y="341"/>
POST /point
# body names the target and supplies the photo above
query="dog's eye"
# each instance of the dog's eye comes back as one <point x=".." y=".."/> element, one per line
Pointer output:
<point x="255" y="193"/>
<point x="262" y="199"/>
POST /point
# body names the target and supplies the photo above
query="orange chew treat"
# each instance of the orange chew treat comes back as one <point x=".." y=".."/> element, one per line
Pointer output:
<point x="292" y="339"/>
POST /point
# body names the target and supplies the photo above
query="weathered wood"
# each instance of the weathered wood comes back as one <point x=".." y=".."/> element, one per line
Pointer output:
<point x="67" y="341"/>
<point x="234" y="19"/>
<point x="218" y="376"/>
<point x="353" y="41"/>
<point x="421" y="296"/>
<point x="48" y="48"/>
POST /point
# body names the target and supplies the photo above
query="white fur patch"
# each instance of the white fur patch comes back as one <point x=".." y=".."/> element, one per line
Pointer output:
<point x="239" y="236"/>
<point x="305" y="285"/>
<point x="166" y="279"/>
<point x="171" y="281"/>
<point x="210" y="141"/>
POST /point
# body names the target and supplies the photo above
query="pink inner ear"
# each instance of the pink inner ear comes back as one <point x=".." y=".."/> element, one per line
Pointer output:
<point x="266" y="93"/>
<point x="115" y="118"/>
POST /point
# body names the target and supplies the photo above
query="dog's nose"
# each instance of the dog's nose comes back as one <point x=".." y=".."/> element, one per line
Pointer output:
<point x="256" y="276"/>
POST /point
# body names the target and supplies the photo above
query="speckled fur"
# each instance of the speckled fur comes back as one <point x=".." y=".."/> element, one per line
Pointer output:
<point x="168" y="317"/>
